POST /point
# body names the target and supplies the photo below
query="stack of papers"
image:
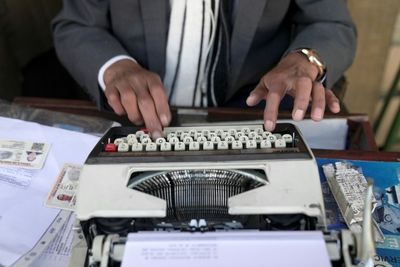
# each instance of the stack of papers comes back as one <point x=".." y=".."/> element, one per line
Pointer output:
<point x="23" y="216"/>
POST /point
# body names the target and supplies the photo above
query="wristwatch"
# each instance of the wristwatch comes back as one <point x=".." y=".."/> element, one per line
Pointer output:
<point x="313" y="57"/>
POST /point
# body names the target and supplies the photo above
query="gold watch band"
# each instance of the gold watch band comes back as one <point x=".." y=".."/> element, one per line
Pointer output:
<point x="313" y="57"/>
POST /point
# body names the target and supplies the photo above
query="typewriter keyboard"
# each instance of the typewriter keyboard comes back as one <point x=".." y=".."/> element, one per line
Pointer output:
<point x="201" y="138"/>
<point x="200" y="143"/>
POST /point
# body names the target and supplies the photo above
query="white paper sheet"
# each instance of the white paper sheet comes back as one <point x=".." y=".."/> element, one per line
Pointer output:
<point x="58" y="253"/>
<point x="233" y="249"/>
<point x="23" y="216"/>
<point x="326" y="134"/>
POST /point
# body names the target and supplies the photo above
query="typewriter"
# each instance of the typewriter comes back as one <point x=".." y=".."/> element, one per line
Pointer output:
<point x="199" y="179"/>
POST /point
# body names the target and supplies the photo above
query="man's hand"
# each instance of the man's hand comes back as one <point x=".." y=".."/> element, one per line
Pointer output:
<point x="139" y="93"/>
<point x="294" y="75"/>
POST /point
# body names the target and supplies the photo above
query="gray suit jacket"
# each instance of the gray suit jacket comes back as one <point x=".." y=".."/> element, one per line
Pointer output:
<point x="87" y="33"/>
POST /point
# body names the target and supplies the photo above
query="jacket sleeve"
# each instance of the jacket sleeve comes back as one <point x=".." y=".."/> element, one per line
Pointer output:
<point x="326" y="26"/>
<point x="83" y="41"/>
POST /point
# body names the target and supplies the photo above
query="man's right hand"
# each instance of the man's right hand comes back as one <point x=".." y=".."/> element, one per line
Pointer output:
<point x="138" y="93"/>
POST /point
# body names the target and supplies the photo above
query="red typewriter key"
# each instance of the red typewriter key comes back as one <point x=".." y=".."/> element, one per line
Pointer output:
<point x="110" y="147"/>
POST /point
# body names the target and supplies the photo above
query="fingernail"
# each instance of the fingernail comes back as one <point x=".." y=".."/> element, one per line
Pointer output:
<point x="164" y="120"/>
<point x="156" y="134"/>
<point x="318" y="113"/>
<point x="298" y="115"/>
<point x="250" y="99"/>
<point x="269" y="125"/>
<point x="336" y="107"/>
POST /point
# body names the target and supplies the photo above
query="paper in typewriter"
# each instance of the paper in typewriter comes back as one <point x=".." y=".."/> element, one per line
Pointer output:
<point x="281" y="249"/>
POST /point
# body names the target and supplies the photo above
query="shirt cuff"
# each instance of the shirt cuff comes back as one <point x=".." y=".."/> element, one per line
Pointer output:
<point x="100" y="76"/>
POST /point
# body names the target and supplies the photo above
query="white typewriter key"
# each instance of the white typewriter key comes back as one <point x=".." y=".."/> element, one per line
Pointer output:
<point x="251" y="144"/>
<point x="246" y="131"/>
<point x="132" y="141"/>
<point x="171" y="135"/>
<point x="137" y="147"/>
<point x="215" y="139"/>
<point x="131" y="136"/>
<point x="229" y="139"/>
<point x="232" y="132"/>
<point x="288" y="138"/>
<point x="160" y="140"/>
<point x="118" y="141"/>
<point x="224" y="134"/>
<point x="243" y="139"/>
<point x="174" y="140"/>
<point x="222" y="145"/>
<point x="184" y="135"/>
<point x="239" y="134"/>
<point x="265" y="144"/>
<point x="237" y="145"/>
<point x="194" y="146"/>
<point x="139" y="133"/>
<point x="178" y="133"/>
<point x="258" y="138"/>
<point x="165" y="146"/>
<point x="278" y="136"/>
<point x="187" y="140"/>
<point x="205" y="133"/>
<point x="251" y="135"/>
<point x="192" y="133"/>
<point x="266" y="134"/>
<point x="202" y="223"/>
<point x="259" y="131"/>
<point x="123" y="147"/>
<point x="279" y="143"/>
<point x="151" y="147"/>
<point x="271" y="138"/>
<point x="211" y="135"/>
<point x="208" y="145"/>
<point x="180" y="146"/>
<point x="197" y="135"/>
<point x="219" y="132"/>
<point x="143" y="136"/>
<point x="201" y="139"/>
<point x="145" y="140"/>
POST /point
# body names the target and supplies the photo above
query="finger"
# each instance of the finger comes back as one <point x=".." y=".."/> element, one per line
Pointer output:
<point x="114" y="100"/>
<point x="271" y="110"/>
<point x="160" y="100"/>
<point x="318" y="101"/>
<point x="259" y="93"/>
<point x="129" y="102"/>
<point x="148" y="111"/>
<point x="302" y="87"/>
<point x="332" y="101"/>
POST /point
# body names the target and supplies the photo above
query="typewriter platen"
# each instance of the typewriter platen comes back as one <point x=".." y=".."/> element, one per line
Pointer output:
<point x="197" y="179"/>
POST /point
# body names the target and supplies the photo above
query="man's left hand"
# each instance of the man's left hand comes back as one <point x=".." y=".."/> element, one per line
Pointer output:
<point x="294" y="75"/>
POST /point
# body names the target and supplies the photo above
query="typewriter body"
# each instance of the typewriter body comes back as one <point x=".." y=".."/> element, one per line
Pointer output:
<point x="198" y="179"/>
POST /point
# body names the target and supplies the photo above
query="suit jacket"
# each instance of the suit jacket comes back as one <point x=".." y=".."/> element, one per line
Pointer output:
<point x="87" y="33"/>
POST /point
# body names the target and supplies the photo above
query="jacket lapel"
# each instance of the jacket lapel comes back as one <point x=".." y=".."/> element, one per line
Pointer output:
<point x="155" y="20"/>
<point x="247" y="19"/>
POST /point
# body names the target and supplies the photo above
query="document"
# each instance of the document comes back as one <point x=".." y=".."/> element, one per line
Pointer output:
<point x="234" y="249"/>
<point x="326" y="134"/>
<point x="23" y="216"/>
<point x="63" y="193"/>
<point x="59" y="251"/>
<point x="23" y="153"/>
